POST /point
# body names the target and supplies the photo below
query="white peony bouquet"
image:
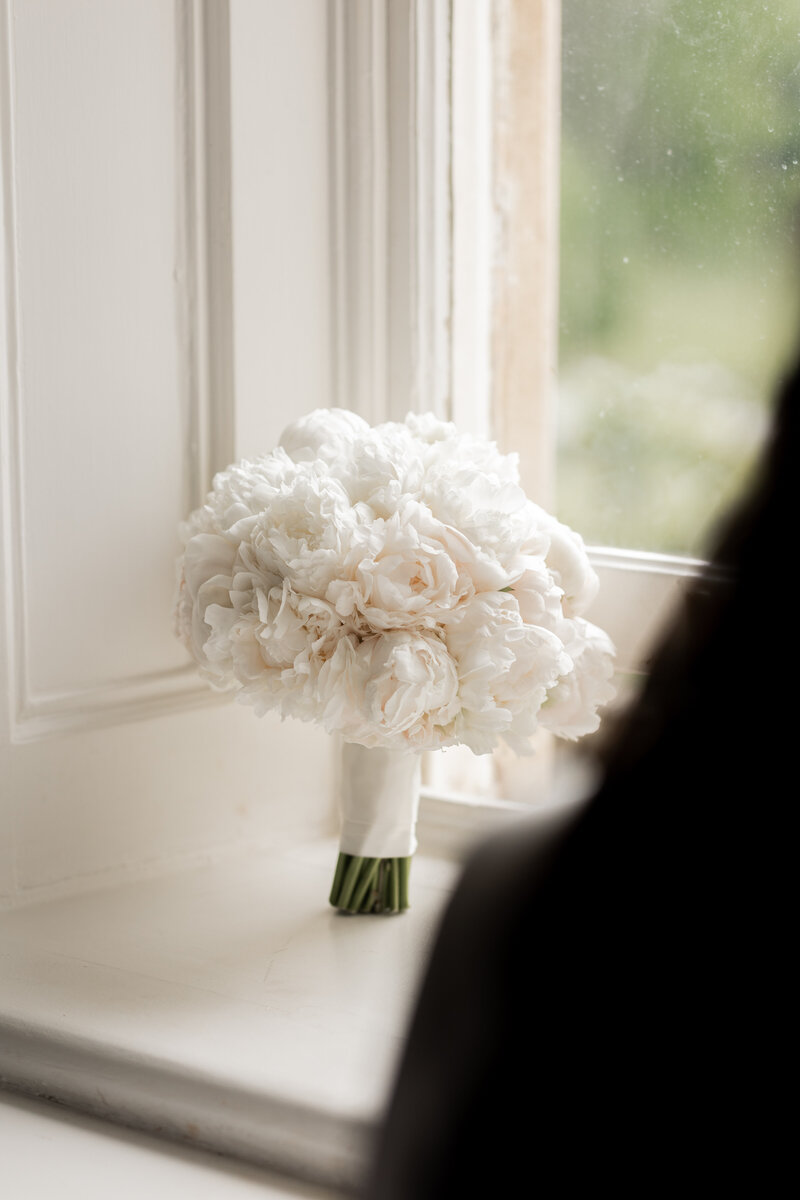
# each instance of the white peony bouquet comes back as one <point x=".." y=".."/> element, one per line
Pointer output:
<point x="395" y="585"/>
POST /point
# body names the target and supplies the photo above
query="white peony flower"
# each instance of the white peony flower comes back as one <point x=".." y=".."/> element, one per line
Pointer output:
<point x="571" y="708"/>
<point x="505" y="669"/>
<point x="305" y="531"/>
<point x="204" y="579"/>
<point x="428" y="429"/>
<point x="398" y="690"/>
<point x="325" y="435"/>
<point x="394" y="584"/>
<point x="239" y="494"/>
<point x="566" y="557"/>
<point x="538" y="595"/>
<point x="411" y="570"/>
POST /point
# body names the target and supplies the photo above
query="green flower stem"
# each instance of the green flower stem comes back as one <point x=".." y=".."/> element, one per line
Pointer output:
<point x="370" y="885"/>
<point x="350" y="880"/>
<point x="405" y="867"/>
<point x="362" y="893"/>
<point x="341" y="867"/>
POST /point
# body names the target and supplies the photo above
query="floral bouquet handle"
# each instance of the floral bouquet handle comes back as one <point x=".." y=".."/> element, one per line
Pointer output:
<point x="379" y="801"/>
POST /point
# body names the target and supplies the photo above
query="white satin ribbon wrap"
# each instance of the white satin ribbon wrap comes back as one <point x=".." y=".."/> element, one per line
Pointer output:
<point x="378" y="802"/>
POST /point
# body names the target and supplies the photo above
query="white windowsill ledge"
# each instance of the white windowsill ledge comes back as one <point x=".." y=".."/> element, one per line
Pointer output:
<point x="227" y="1006"/>
<point x="51" y="1151"/>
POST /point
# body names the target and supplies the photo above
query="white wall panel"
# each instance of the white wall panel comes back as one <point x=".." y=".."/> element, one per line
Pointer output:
<point x="93" y="805"/>
<point x="107" y="416"/>
<point x="117" y="402"/>
<point x="101" y="448"/>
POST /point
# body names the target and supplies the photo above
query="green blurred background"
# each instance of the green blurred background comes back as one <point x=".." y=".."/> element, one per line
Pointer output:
<point x="680" y="271"/>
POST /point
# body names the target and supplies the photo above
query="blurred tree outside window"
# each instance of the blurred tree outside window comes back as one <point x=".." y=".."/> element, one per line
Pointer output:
<point x="680" y="271"/>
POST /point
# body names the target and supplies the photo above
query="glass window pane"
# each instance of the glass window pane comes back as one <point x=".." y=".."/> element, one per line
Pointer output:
<point x="680" y="186"/>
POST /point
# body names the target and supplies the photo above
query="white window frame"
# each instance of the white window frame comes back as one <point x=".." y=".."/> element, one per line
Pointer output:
<point x="445" y="143"/>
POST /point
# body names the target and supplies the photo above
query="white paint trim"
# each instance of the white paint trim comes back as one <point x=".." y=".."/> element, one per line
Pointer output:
<point x="639" y="593"/>
<point x="473" y="249"/>
<point x="431" y="200"/>
<point x="205" y="239"/>
<point x="122" y="700"/>
<point x="338" y="208"/>
<point x="390" y="188"/>
<point x="11" y="413"/>
<point x="451" y="824"/>
<point x="214" y="250"/>
<point x="299" y="1140"/>
<point x="357" y="69"/>
<point x="647" y="561"/>
<point x="189" y="275"/>
<point x="205" y="388"/>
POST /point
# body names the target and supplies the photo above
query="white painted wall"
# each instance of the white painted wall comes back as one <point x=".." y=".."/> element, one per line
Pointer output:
<point x="116" y="404"/>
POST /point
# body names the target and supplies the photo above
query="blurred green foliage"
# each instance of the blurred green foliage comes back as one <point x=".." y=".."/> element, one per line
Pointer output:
<point x="679" y="279"/>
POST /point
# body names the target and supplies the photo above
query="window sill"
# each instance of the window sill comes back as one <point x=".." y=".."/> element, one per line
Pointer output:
<point x="227" y="1006"/>
<point x="49" y="1151"/>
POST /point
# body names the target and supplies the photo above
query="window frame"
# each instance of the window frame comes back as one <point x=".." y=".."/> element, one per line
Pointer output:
<point x="445" y="266"/>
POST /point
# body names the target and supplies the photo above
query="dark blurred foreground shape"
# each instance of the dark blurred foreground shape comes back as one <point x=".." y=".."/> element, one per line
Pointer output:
<point x="614" y="1009"/>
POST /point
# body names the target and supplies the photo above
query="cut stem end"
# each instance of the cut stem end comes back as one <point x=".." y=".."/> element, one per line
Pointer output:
<point x="370" y="885"/>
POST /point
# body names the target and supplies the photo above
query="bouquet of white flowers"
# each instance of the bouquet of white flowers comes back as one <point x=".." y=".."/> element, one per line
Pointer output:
<point x="395" y="585"/>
